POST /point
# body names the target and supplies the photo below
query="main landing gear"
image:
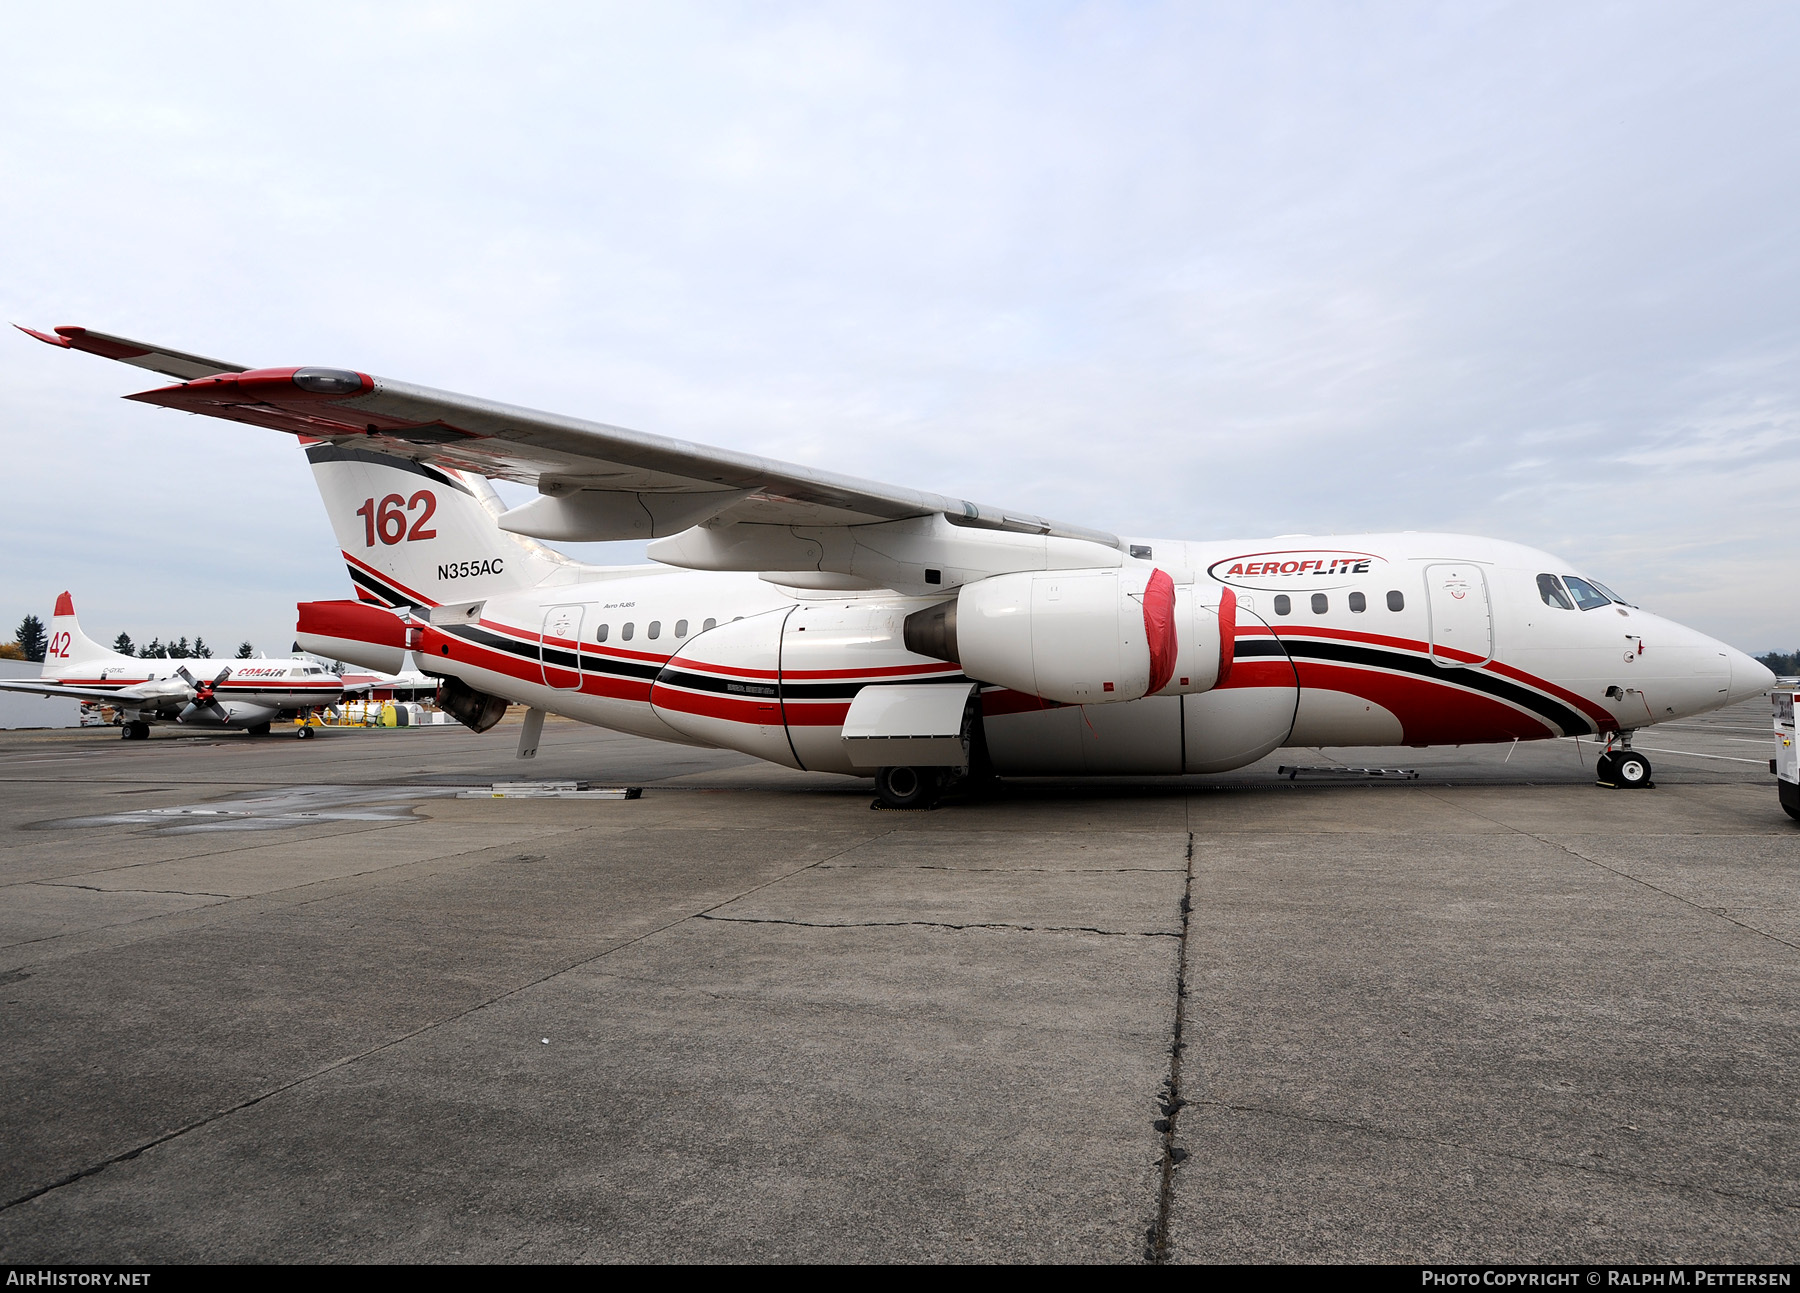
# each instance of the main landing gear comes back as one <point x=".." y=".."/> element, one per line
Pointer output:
<point x="134" y="732"/>
<point x="908" y="787"/>
<point x="1623" y="768"/>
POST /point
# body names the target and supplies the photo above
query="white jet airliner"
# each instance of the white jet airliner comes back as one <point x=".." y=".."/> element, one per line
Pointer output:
<point x="840" y="625"/>
<point x="247" y="694"/>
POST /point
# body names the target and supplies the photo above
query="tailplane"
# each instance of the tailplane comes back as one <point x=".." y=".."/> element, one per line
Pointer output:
<point x="418" y="535"/>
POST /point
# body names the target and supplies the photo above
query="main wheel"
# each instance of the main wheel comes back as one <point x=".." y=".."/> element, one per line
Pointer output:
<point x="1606" y="769"/>
<point x="907" y="787"/>
<point x="304" y="733"/>
<point x="1632" y="772"/>
<point x="135" y="732"/>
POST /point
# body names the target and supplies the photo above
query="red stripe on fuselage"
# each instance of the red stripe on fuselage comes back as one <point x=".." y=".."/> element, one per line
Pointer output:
<point x="1430" y="712"/>
<point x="1423" y="649"/>
<point x="753" y="712"/>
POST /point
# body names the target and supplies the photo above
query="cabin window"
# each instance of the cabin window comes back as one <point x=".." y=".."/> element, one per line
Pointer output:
<point x="1586" y="595"/>
<point x="1320" y="603"/>
<point x="680" y="628"/>
<point x="710" y="625"/>
<point x="625" y="631"/>
<point x="600" y="633"/>
<point x="1551" y="590"/>
<point x="1358" y="603"/>
<point x="1396" y="600"/>
<point x="655" y="629"/>
<point x="1283" y="606"/>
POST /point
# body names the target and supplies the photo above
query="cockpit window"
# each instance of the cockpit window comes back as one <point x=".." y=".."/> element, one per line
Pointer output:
<point x="1610" y="593"/>
<point x="1587" y="596"/>
<point x="1551" y="590"/>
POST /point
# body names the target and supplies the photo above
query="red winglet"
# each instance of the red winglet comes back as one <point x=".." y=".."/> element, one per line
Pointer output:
<point x="105" y="347"/>
<point x="44" y="336"/>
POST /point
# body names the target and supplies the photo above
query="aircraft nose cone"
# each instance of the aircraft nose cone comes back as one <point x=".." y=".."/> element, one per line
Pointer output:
<point x="1748" y="677"/>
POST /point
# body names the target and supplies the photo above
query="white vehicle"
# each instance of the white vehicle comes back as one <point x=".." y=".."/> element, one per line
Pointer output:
<point x="1786" y="763"/>
<point x="247" y="694"/>
<point x="840" y="625"/>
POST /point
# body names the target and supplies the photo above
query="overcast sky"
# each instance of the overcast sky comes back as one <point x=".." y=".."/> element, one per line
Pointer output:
<point x="1527" y="271"/>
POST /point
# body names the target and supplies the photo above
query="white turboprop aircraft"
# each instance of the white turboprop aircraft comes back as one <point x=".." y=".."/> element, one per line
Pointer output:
<point x="240" y="693"/>
<point x="840" y="625"/>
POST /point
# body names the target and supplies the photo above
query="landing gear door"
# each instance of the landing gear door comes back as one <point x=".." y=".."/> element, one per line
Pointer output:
<point x="558" y="654"/>
<point x="1462" y="626"/>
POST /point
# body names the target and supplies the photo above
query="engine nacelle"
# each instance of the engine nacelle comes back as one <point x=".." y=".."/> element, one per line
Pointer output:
<point x="1081" y="637"/>
<point x="475" y="710"/>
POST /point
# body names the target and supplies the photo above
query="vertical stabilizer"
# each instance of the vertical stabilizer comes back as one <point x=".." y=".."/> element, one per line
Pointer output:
<point x="70" y="651"/>
<point x="419" y="535"/>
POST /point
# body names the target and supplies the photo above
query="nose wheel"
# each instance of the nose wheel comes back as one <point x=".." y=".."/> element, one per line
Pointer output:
<point x="1623" y="770"/>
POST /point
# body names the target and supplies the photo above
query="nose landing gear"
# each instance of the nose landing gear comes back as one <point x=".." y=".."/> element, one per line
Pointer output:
<point x="1622" y="768"/>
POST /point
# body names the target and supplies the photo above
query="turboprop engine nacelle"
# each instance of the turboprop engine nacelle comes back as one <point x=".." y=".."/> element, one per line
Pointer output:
<point x="1081" y="637"/>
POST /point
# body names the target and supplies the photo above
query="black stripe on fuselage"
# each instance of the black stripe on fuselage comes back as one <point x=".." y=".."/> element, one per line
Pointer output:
<point x="317" y="453"/>
<point x="1249" y="648"/>
<point x="835" y="689"/>
<point x="556" y="657"/>
<point x="668" y="675"/>
<point x="1558" y="715"/>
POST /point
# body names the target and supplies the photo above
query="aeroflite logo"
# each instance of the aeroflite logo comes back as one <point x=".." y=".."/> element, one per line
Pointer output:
<point x="1288" y="569"/>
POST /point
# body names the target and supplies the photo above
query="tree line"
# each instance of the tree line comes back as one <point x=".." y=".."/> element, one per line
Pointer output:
<point x="31" y="639"/>
<point x="1782" y="666"/>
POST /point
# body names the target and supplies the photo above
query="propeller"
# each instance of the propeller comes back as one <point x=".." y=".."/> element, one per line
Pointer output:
<point x="203" y="702"/>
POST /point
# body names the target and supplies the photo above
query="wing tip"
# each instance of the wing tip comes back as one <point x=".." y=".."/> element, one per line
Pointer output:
<point x="46" y="337"/>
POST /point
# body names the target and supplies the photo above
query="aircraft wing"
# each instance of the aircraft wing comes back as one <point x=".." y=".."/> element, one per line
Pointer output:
<point x="158" y="359"/>
<point x="114" y="695"/>
<point x="599" y="481"/>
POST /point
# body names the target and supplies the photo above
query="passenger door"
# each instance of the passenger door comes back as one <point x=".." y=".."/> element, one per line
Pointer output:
<point x="557" y="653"/>
<point x="1456" y="598"/>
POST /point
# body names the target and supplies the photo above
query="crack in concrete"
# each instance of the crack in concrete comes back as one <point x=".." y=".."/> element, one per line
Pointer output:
<point x="1539" y="1160"/>
<point x="358" y="828"/>
<point x="94" y="888"/>
<point x="267" y="894"/>
<point x="1006" y="870"/>
<point x="1716" y="912"/>
<point x="937" y="924"/>
<point x="1174" y="1100"/>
